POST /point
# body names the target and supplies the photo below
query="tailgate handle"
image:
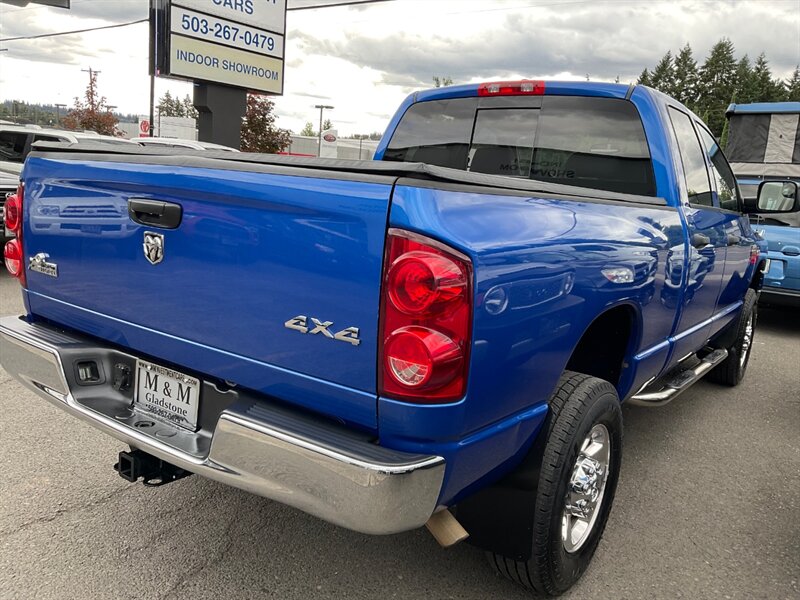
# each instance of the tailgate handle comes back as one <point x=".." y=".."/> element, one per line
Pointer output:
<point x="155" y="213"/>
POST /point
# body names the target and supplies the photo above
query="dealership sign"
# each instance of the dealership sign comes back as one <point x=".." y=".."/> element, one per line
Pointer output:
<point x="238" y="43"/>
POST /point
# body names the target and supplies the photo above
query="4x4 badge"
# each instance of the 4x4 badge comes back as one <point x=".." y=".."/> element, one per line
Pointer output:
<point x="301" y="323"/>
<point x="153" y="247"/>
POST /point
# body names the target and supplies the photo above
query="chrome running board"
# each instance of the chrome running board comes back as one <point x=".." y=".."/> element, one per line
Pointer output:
<point x="664" y="390"/>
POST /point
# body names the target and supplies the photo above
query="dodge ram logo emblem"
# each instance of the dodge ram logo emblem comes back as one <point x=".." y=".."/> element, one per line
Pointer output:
<point x="153" y="247"/>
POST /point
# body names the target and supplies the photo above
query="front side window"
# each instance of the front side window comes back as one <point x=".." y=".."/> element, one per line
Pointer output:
<point x="586" y="142"/>
<point x="693" y="158"/>
<point x="721" y="170"/>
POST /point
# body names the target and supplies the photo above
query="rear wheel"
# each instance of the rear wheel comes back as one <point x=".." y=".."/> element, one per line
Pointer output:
<point x="577" y="482"/>
<point x="731" y="371"/>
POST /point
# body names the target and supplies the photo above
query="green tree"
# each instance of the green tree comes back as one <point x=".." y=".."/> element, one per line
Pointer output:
<point x="327" y="125"/>
<point x="686" y="77"/>
<point x="766" y="88"/>
<point x="442" y="81"/>
<point x="166" y="105"/>
<point x="723" y="139"/>
<point x="92" y="112"/>
<point x="259" y="132"/>
<point x="663" y="76"/>
<point x="308" y="130"/>
<point x="717" y="84"/>
<point x="745" y="84"/>
<point x="188" y="108"/>
<point x="793" y="86"/>
<point x="645" y="78"/>
<point x="175" y="107"/>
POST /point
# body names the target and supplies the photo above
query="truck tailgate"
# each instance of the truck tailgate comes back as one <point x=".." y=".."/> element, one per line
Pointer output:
<point x="256" y="247"/>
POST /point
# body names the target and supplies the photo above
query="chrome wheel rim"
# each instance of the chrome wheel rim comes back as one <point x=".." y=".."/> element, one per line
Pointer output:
<point x="747" y="340"/>
<point x="586" y="488"/>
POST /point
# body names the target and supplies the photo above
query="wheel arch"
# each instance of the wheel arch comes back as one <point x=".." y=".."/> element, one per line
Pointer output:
<point x="615" y="331"/>
<point x="757" y="281"/>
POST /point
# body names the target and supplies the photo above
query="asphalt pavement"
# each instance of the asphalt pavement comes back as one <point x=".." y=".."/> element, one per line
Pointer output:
<point x="708" y="506"/>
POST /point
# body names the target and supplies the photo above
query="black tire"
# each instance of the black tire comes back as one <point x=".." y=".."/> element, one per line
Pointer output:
<point x="731" y="370"/>
<point x="578" y="404"/>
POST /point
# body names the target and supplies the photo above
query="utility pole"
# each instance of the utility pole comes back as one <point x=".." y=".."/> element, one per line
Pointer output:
<point x="92" y="75"/>
<point x="90" y="72"/>
<point x="152" y="101"/>
<point x="321" y="108"/>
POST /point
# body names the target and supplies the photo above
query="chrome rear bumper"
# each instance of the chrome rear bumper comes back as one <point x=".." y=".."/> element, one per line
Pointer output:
<point x="268" y="449"/>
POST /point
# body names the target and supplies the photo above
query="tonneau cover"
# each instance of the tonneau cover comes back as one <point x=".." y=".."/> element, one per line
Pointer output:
<point x="272" y="163"/>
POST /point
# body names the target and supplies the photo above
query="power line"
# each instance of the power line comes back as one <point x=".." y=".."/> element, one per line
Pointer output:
<point x="349" y="3"/>
<point x="45" y="35"/>
<point x="310" y="7"/>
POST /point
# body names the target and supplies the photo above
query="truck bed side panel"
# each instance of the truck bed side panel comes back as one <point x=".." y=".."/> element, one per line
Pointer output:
<point x="545" y="256"/>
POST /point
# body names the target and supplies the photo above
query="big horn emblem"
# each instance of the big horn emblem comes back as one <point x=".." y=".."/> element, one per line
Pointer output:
<point x="153" y="247"/>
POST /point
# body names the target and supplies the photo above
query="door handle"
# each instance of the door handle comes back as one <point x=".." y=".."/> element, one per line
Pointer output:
<point x="791" y="250"/>
<point x="155" y="213"/>
<point x="700" y="241"/>
<point x="733" y="240"/>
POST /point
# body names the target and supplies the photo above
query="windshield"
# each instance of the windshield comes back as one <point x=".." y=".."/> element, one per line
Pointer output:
<point x="588" y="142"/>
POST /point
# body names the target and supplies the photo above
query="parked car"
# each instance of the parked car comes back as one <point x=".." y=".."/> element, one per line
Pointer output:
<point x="16" y="141"/>
<point x="85" y="137"/>
<point x="178" y="143"/>
<point x="441" y="337"/>
<point x="764" y="147"/>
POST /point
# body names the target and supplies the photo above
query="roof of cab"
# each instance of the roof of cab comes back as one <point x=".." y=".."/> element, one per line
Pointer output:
<point x="561" y="88"/>
<point x="764" y="108"/>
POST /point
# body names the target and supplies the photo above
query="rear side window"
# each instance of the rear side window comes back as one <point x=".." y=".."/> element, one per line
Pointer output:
<point x="693" y="159"/>
<point x="587" y="142"/>
<point x="12" y="145"/>
<point x="723" y="176"/>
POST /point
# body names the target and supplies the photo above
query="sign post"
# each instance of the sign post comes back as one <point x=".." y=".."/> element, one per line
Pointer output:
<point x="227" y="48"/>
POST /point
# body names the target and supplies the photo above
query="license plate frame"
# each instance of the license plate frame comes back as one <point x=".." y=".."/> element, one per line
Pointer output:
<point x="167" y="394"/>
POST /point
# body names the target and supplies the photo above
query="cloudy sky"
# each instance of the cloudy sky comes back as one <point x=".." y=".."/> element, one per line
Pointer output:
<point x="364" y="60"/>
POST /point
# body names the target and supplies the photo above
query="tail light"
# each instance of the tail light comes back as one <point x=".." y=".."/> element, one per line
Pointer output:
<point x="426" y="317"/>
<point x="755" y="251"/>
<point x="12" y="253"/>
<point x="511" y="88"/>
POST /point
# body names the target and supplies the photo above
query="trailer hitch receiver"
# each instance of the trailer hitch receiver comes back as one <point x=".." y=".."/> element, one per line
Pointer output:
<point x="153" y="471"/>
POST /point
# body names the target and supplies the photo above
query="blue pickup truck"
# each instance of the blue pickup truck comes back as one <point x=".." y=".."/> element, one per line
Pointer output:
<point x="442" y="336"/>
<point x="764" y="145"/>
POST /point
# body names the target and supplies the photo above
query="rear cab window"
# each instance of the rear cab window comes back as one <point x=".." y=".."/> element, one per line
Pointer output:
<point x="580" y="141"/>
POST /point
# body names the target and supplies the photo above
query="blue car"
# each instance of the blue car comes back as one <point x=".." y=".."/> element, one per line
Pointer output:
<point x="764" y="146"/>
